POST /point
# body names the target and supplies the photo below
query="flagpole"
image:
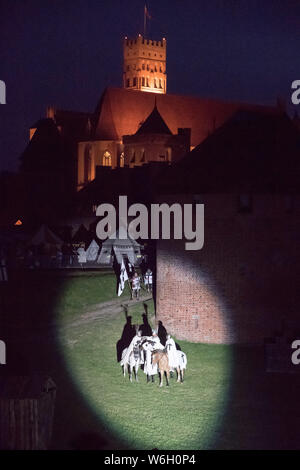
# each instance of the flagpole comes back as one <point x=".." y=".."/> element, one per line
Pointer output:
<point x="130" y="288"/>
<point x="145" y="21"/>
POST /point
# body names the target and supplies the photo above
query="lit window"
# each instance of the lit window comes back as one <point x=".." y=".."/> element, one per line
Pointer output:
<point x="106" y="159"/>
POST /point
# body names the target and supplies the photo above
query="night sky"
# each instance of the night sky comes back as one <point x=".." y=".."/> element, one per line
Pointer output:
<point x="64" y="52"/>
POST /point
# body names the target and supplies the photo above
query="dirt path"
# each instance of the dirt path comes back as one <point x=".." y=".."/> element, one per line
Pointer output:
<point x="92" y="313"/>
<point x="104" y="309"/>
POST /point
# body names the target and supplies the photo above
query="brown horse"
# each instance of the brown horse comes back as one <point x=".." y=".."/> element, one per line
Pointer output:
<point x="161" y="359"/>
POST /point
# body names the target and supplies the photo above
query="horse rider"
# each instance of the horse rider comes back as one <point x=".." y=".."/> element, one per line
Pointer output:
<point x="133" y="347"/>
<point x="172" y="353"/>
<point x="150" y="344"/>
<point x="136" y="286"/>
<point x="155" y="339"/>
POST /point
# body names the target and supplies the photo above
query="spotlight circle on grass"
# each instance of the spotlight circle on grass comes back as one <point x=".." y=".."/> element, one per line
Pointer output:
<point x="142" y="415"/>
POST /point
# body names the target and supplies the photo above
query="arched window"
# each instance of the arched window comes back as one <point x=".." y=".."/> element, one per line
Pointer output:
<point x="122" y="160"/>
<point x="106" y="159"/>
<point x="87" y="163"/>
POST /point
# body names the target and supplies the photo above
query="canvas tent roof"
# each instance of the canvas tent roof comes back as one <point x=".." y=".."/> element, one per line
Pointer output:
<point x="115" y="241"/>
<point x="45" y="235"/>
<point x="92" y="251"/>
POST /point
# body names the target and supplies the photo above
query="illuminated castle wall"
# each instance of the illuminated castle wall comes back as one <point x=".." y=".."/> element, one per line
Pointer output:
<point x="144" y="65"/>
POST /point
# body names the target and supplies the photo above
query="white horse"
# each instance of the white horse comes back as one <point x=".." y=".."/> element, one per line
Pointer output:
<point x="132" y="362"/>
<point x="182" y="359"/>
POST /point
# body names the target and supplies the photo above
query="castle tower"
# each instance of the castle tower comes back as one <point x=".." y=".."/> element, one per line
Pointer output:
<point x="144" y="65"/>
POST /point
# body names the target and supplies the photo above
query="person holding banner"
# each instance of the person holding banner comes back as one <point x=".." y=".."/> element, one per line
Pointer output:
<point x="122" y="279"/>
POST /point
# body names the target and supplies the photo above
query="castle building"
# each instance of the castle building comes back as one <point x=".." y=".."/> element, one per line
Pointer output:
<point x="117" y="132"/>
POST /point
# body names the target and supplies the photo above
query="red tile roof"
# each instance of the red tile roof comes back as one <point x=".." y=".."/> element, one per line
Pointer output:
<point x="121" y="112"/>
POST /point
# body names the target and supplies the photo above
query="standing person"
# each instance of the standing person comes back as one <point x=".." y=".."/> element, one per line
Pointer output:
<point x="148" y="280"/>
<point x="136" y="286"/>
<point x="81" y="255"/>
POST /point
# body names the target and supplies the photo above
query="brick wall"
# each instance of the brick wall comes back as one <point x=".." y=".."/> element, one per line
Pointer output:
<point x="244" y="281"/>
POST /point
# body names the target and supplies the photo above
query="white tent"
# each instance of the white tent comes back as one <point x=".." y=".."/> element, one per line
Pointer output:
<point x="92" y="251"/>
<point x="45" y="235"/>
<point x="122" y="246"/>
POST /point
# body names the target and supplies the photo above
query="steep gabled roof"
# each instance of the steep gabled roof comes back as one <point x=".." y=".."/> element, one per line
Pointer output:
<point x="154" y="124"/>
<point x="122" y="112"/>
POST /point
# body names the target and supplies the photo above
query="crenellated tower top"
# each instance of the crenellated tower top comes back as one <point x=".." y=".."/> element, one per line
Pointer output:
<point x="144" y="65"/>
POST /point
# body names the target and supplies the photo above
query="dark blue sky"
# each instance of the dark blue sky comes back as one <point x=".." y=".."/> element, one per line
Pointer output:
<point x="64" y="52"/>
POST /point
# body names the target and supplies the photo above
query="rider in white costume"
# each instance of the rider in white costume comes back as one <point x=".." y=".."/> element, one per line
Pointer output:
<point x="152" y="343"/>
<point x="172" y="353"/>
<point x="135" y="341"/>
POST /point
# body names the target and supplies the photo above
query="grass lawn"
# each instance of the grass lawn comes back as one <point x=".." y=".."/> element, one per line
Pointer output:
<point x="144" y="416"/>
<point x="68" y="326"/>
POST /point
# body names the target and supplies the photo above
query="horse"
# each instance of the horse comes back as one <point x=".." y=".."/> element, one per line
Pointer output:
<point x="133" y="362"/>
<point x="182" y="365"/>
<point x="161" y="359"/>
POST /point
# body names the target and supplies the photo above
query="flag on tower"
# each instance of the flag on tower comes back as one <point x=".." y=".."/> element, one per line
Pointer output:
<point x="123" y="278"/>
<point x="147" y="14"/>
